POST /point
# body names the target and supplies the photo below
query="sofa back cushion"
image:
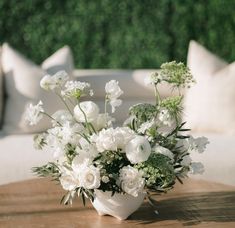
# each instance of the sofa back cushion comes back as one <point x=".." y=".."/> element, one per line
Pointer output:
<point x="22" y="78"/>
<point x="210" y="103"/>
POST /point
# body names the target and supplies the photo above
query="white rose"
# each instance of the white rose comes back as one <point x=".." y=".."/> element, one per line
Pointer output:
<point x="90" y="177"/>
<point x="131" y="180"/>
<point x="69" y="180"/>
<point x="162" y="150"/>
<point x="138" y="150"/>
<point x="90" y="109"/>
<point x="127" y="135"/>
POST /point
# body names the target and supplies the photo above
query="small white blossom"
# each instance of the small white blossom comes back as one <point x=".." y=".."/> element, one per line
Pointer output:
<point x="146" y="126"/>
<point x="113" y="92"/>
<point x="198" y="144"/>
<point x="164" y="151"/>
<point x="89" y="108"/>
<point x="62" y="117"/>
<point x="105" y="179"/>
<point x="131" y="180"/>
<point x="197" y="168"/>
<point x="138" y="150"/>
<point x="165" y="117"/>
<point x="77" y="89"/>
<point x="51" y="82"/>
<point x="33" y="113"/>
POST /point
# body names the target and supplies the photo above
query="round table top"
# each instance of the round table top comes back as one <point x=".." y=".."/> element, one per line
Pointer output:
<point x="36" y="203"/>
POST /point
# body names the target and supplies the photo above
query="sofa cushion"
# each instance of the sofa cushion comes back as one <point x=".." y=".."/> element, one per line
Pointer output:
<point x="1" y="89"/>
<point x="22" y="78"/>
<point x="210" y="103"/>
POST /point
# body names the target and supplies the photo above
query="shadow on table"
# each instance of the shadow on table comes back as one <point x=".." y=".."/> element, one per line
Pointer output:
<point x="191" y="209"/>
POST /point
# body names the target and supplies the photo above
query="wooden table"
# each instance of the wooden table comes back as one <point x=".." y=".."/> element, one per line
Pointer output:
<point x="35" y="203"/>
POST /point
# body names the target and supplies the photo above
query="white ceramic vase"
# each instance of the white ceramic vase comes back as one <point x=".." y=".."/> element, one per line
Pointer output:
<point x="120" y="206"/>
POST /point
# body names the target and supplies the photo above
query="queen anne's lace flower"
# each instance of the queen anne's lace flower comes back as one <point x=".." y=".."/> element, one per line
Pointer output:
<point x="131" y="180"/>
<point x="76" y="89"/>
<point x="165" y="117"/>
<point x="34" y="113"/>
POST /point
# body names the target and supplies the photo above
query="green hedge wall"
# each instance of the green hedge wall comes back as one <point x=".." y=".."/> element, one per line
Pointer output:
<point x="118" y="33"/>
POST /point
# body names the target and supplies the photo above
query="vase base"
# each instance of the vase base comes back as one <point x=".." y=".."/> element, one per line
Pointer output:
<point x="115" y="216"/>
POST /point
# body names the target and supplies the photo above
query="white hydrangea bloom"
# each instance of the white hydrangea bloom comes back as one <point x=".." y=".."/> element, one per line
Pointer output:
<point x="113" y="92"/>
<point x="138" y="150"/>
<point x="33" y="113"/>
<point x="131" y="180"/>
<point x="186" y="161"/>
<point x="164" y="151"/>
<point x="90" y="109"/>
<point x="51" y="82"/>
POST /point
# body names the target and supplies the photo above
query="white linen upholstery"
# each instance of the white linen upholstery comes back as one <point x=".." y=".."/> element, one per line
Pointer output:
<point x="22" y="79"/>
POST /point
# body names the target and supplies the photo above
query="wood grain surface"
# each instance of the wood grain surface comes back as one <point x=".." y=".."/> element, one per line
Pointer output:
<point x="36" y="203"/>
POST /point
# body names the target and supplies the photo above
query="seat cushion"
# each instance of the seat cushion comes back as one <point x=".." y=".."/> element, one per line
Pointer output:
<point x="18" y="156"/>
<point x="22" y="84"/>
<point x="218" y="159"/>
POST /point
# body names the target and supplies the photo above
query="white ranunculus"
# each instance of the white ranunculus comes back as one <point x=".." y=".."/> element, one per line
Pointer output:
<point x="33" y="113"/>
<point x="162" y="150"/>
<point x="113" y="90"/>
<point x="138" y="150"/>
<point x="131" y="180"/>
<point x="51" y="82"/>
<point x="90" y="109"/>
<point x="90" y="177"/>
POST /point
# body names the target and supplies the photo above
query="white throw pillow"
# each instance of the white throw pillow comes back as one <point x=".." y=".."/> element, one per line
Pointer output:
<point x="1" y="89"/>
<point x="210" y="103"/>
<point x="22" y="78"/>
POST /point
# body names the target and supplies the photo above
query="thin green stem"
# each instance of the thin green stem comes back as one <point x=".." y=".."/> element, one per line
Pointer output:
<point x="157" y="95"/>
<point x="44" y="113"/>
<point x="66" y="105"/>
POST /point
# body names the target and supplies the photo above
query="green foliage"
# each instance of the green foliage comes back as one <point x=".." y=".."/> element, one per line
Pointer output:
<point x="158" y="172"/>
<point x="119" y="33"/>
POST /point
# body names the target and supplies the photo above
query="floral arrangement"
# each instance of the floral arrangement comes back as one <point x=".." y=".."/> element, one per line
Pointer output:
<point x="147" y="154"/>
